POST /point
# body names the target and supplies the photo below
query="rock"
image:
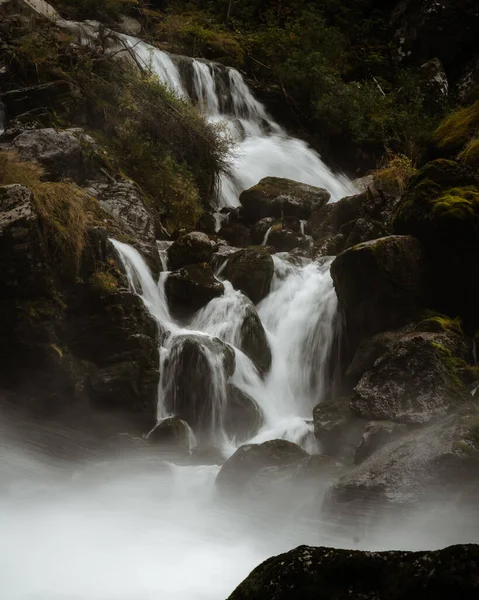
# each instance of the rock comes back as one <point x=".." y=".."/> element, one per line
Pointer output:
<point x="440" y="207"/>
<point x="320" y="224"/>
<point x="59" y="152"/>
<point x="440" y="461"/>
<point x="251" y="271"/>
<point x="243" y="418"/>
<point x="283" y="239"/>
<point x="253" y="341"/>
<point x="368" y="353"/>
<point x="377" y="435"/>
<point x="379" y="284"/>
<point x="276" y="197"/>
<point x="195" y="374"/>
<point x="434" y="80"/>
<point x="337" y="428"/>
<point x="260" y="229"/>
<point x="309" y="573"/>
<point x="249" y="459"/>
<point x="172" y="433"/>
<point x="207" y="223"/>
<point x="413" y="382"/>
<point x="361" y="230"/>
<point x="123" y="200"/>
<point x="190" y="288"/>
<point x="54" y="95"/>
<point x="129" y="26"/>
<point x="190" y="249"/>
<point x="236" y="234"/>
<point x="328" y="246"/>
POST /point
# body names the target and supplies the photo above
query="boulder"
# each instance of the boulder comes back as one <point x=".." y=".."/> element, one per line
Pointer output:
<point x="190" y="249"/>
<point x="379" y="284"/>
<point x="59" y="152"/>
<point x="440" y="461"/>
<point x="260" y="229"/>
<point x="236" y="234"/>
<point x="172" y="433"/>
<point x="310" y="573"/>
<point x="361" y="230"/>
<point x="415" y="381"/>
<point x="440" y="207"/>
<point x="194" y="381"/>
<point x="376" y="435"/>
<point x="253" y="341"/>
<point x="283" y="239"/>
<point x="337" y="428"/>
<point x="276" y="197"/>
<point x="244" y="417"/>
<point x="251" y="271"/>
<point x="190" y="288"/>
<point x="249" y="459"/>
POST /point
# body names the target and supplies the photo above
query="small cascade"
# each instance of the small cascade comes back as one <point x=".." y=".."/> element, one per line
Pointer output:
<point x="263" y="148"/>
<point x="200" y="359"/>
<point x="266" y="236"/>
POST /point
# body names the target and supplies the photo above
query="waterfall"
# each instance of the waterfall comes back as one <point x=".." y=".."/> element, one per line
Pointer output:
<point x="299" y="318"/>
<point x="263" y="148"/>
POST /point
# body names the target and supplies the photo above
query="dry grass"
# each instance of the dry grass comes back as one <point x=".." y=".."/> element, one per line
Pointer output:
<point x="64" y="210"/>
<point x="456" y="129"/>
<point x="394" y="173"/>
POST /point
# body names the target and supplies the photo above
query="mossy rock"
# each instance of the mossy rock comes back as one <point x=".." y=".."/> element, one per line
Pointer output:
<point x="189" y="249"/>
<point x="379" y="284"/>
<point x="457" y="128"/>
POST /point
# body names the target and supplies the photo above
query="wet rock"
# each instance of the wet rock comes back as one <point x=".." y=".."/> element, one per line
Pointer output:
<point x="251" y="271"/>
<point x="189" y="249"/>
<point x="379" y="284"/>
<point x="413" y="382"/>
<point x="337" y="428"/>
<point x="207" y="223"/>
<point x="368" y="352"/>
<point x="253" y="341"/>
<point x="171" y="433"/>
<point x="377" y="435"/>
<point x="190" y="288"/>
<point x="309" y="573"/>
<point x="328" y="246"/>
<point x="248" y="460"/>
<point x="236" y="234"/>
<point x="361" y="230"/>
<point x="243" y="417"/>
<point x="260" y="229"/>
<point x="59" y="152"/>
<point x="276" y="197"/>
<point x="320" y="224"/>
<point x="439" y="461"/>
<point x="195" y="375"/>
<point x="283" y="239"/>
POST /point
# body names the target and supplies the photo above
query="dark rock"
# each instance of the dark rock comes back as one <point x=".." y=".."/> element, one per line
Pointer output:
<point x="251" y="271"/>
<point x="260" y="229"/>
<point x="253" y="341"/>
<point x="276" y="197"/>
<point x="190" y="288"/>
<point x="207" y="224"/>
<point x="413" y="382"/>
<point x="434" y="80"/>
<point x="329" y="246"/>
<point x="368" y="352"/>
<point x="377" y="435"/>
<point x="236" y="234"/>
<point x="337" y="428"/>
<point x="283" y="239"/>
<point x="171" y="433"/>
<point x="243" y="416"/>
<point x="440" y="207"/>
<point x="189" y="249"/>
<point x="361" y="230"/>
<point x="59" y="152"/>
<point x="248" y="460"/>
<point x="379" y="284"/>
<point x="195" y="374"/>
<point x="54" y="95"/>
<point x="440" y="461"/>
<point x="309" y="573"/>
<point x="320" y="224"/>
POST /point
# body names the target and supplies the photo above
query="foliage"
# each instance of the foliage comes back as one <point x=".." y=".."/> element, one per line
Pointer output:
<point x="470" y="154"/>
<point x="64" y="210"/>
<point x="457" y="128"/>
<point x="394" y="173"/>
<point x="94" y="9"/>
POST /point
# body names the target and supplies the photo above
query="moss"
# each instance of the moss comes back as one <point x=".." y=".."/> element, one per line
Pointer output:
<point x="470" y="154"/>
<point x="103" y="283"/>
<point x="439" y="323"/>
<point x="457" y="128"/>
<point x="449" y="362"/>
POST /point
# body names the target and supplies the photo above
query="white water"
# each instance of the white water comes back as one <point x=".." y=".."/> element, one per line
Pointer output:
<point x="263" y="148"/>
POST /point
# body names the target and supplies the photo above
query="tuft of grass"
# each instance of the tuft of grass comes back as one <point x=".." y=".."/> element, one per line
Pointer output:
<point x="394" y="173"/>
<point x="456" y="129"/>
<point x="103" y="283"/>
<point x="438" y="323"/>
<point x="64" y="210"/>
<point x="470" y="154"/>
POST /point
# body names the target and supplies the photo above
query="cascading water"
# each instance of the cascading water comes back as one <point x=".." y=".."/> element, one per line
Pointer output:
<point x="263" y="147"/>
<point x="299" y="318"/>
